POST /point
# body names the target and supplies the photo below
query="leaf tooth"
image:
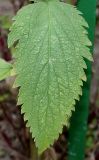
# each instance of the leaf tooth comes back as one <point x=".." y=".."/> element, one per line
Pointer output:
<point x="16" y="84"/>
<point x="73" y="109"/>
<point x="19" y="103"/>
<point x="80" y="83"/>
<point x="80" y="93"/>
<point x="78" y="98"/>
<point x="90" y="58"/>
<point x="87" y="55"/>
<point x="84" y="65"/>
<point x="27" y="124"/>
<point x="84" y="78"/>
<point x="73" y="103"/>
<point x="26" y="117"/>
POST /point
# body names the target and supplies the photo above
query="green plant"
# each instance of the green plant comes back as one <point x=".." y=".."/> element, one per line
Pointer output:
<point x="78" y="128"/>
<point x="51" y="43"/>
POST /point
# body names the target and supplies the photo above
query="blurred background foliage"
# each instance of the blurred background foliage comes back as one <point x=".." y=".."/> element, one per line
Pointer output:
<point x="15" y="139"/>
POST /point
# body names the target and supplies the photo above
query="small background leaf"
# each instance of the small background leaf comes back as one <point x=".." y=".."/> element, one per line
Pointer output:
<point x="5" y="69"/>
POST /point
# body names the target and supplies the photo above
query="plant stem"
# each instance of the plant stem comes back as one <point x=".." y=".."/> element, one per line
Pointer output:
<point x="78" y="128"/>
<point x="33" y="150"/>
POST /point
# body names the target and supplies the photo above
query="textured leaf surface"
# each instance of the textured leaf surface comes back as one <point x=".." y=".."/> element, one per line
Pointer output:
<point x="5" y="69"/>
<point x="52" y="45"/>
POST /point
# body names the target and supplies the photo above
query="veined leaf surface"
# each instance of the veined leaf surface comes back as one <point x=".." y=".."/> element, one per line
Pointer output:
<point x="51" y="46"/>
<point x="5" y="69"/>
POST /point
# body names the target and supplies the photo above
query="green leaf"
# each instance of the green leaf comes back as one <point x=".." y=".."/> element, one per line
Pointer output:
<point x="5" y="69"/>
<point x="51" y="47"/>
